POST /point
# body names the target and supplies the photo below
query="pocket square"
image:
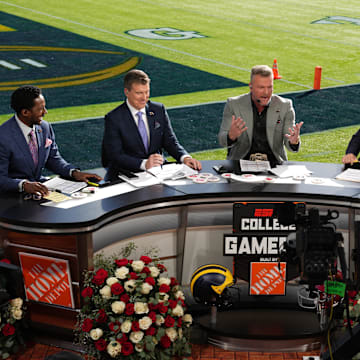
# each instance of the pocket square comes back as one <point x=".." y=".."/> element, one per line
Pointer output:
<point x="156" y="125"/>
<point x="48" y="142"/>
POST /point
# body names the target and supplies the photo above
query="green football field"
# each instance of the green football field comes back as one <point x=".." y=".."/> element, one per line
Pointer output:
<point x="235" y="35"/>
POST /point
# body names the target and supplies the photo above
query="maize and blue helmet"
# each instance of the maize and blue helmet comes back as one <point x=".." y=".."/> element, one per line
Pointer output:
<point x="209" y="282"/>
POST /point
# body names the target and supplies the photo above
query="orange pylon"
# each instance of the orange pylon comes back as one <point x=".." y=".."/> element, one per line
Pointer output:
<point x="276" y="71"/>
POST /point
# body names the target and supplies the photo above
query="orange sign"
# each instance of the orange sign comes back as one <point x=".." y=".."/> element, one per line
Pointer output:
<point x="47" y="279"/>
<point x="267" y="278"/>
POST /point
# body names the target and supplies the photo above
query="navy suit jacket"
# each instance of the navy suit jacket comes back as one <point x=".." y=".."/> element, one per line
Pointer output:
<point x="354" y="145"/>
<point x="16" y="163"/>
<point x="122" y="146"/>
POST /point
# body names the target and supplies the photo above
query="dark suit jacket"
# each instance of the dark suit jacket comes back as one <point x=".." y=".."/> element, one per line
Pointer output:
<point x="354" y="144"/>
<point x="122" y="146"/>
<point x="16" y="162"/>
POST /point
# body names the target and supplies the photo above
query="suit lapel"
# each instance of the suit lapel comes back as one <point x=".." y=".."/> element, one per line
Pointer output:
<point x="41" y="147"/>
<point x="151" y="116"/>
<point x="246" y="113"/>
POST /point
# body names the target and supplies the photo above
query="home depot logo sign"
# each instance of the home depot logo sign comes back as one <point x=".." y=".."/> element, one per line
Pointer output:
<point x="47" y="279"/>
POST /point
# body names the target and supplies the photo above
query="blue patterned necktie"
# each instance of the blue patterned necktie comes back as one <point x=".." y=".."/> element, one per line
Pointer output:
<point x="33" y="147"/>
<point x="142" y="130"/>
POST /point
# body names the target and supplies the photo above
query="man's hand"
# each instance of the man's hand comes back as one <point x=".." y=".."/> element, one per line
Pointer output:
<point x="349" y="159"/>
<point x="35" y="188"/>
<point x="193" y="163"/>
<point x="82" y="176"/>
<point x="294" y="134"/>
<point x="237" y="127"/>
<point x="154" y="160"/>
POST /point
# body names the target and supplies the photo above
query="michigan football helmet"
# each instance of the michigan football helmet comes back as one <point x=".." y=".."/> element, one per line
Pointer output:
<point x="210" y="282"/>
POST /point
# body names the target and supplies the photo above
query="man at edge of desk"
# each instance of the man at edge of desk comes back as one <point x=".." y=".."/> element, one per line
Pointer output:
<point x="27" y="146"/>
<point x="352" y="150"/>
<point x="138" y="130"/>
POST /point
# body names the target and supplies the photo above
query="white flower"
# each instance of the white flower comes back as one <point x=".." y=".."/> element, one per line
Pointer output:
<point x="16" y="313"/>
<point x="105" y="292"/>
<point x="121" y="272"/>
<point x="171" y="333"/>
<point x="113" y="349"/>
<point x="126" y="326"/>
<point x="118" y="307"/>
<point x="111" y="281"/>
<point x="178" y="310"/>
<point x="17" y="303"/>
<point x="179" y="295"/>
<point x="159" y="320"/>
<point x="154" y="271"/>
<point x="187" y="318"/>
<point x="163" y="297"/>
<point x="136" y="336"/>
<point x="139" y="347"/>
<point x="146" y="288"/>
<point x="164" y="280"/>
<point x="141" y="308"/>
<point x="145" y="322"/>
<point x="130" y="285"/>
<point x="96" y="334"/>
<point x="138" y="265"/>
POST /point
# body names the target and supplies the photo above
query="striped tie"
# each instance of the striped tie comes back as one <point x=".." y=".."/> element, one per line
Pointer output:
<point x="33" y="147"/>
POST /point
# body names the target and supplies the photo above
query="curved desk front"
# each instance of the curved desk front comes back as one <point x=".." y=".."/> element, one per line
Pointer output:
<point x="186" y="222"/>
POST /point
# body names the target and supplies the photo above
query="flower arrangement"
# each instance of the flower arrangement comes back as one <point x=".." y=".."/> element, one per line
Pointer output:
<point x="132" y="311"/>
<point x="11" y="314"/>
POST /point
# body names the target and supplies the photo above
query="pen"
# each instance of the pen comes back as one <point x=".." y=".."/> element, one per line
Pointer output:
<point x="56" y="190"/>
<point x="92" y="183"/>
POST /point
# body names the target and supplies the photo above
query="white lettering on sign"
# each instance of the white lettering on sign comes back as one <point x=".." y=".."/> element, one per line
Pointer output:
<point x="165" y="33"/>
<point x="264" y="224"/>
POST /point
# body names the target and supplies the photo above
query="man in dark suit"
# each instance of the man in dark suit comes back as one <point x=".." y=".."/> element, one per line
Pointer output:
<point x="352" y="150"/>
<point x="137" y="131"/>
<point x="27" y="146"/>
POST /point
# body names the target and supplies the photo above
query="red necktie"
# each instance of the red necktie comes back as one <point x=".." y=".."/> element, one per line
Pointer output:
<point x="33" y="147"/>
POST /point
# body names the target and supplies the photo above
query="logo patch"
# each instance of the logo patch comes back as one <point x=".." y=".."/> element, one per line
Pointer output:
<point x="337" y="20"/>
<point x="165" y="33"/>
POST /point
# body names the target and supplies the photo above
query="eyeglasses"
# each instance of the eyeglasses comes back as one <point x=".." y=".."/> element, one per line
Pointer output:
<point x="32" y="197"/>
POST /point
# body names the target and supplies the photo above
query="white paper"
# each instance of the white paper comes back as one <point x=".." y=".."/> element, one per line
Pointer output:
<point x="65" y="186"/>
<point x="254" y="166"/>
<point x="284" y="171"/>
<point x="142" y="179"/>
<point x="349" y="175"/>
<point x="171" y="171"/>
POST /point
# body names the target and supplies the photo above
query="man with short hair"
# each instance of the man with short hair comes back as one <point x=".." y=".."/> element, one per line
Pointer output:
<point x="137" y="131"/>
<point x="259" y="124"/>
<point x="27" y="146"/>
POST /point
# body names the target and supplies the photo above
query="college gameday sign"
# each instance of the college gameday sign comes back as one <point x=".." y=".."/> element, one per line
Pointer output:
<point x="256" y="242"/>
<point x="47" y="279"/>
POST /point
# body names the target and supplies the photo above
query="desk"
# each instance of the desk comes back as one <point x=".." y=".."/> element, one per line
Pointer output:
<point x="185" y="221"/>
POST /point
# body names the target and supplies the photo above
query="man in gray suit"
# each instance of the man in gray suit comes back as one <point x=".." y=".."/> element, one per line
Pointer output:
<point x="259" y="122"/>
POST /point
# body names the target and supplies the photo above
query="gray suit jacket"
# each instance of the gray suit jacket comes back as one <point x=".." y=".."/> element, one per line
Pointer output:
<point x="279" y="118"/>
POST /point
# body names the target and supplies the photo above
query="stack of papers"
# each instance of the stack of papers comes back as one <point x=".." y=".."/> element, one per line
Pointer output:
<point x="171" y="171"/>
<point x="64" y="186"/>
<point x="254" y="166"/>
<point x="349" y="175"/>
<point x="284" y="171"/>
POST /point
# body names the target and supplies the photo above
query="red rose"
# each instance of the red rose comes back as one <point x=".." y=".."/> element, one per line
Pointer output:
<point x="146" y="260"/>
<point x="87" y="292"/>
<point x="8" y="330"/>
<point x="145" y="270"/>
<point x="172" y="304"/>
<point x="101" y="316"/>
<point x="165" y="342"/>
<point x="179" y="322"/>
<point x="161" y="267"/>
<point x="87" y="325"/>
<point x="100" y="344"/>
<point x="169" y="321"/>
<point x="352" y="294"/>
<point x="135" y="326"/>
<point x="173" y="282"/>
<point x="100" y="277"/>
<point x="123" y="339"/>
<point x="125" y="298"/>
<point x="150" y="281"/>
<point x="164" y="288"/>
<point x="7" y="261"/>
<point x="150" y="331"/>
<point x="129" y="309"/>
<point x="127" y="348"/>
<point x="117" y="289"/>
<point x="153" y="307"/>
<point x="115" y="326"/>
<point x="162" y="308"/>
<point x="152" y="316"/>
<point x="121" y="262"/>
<point x="133" y="275"/>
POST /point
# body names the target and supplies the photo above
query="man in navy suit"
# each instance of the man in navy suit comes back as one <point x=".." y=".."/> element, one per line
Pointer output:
<point x="137" y="131"/>
<point x="352" y="150"/>
<point x="27" y="146"/>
